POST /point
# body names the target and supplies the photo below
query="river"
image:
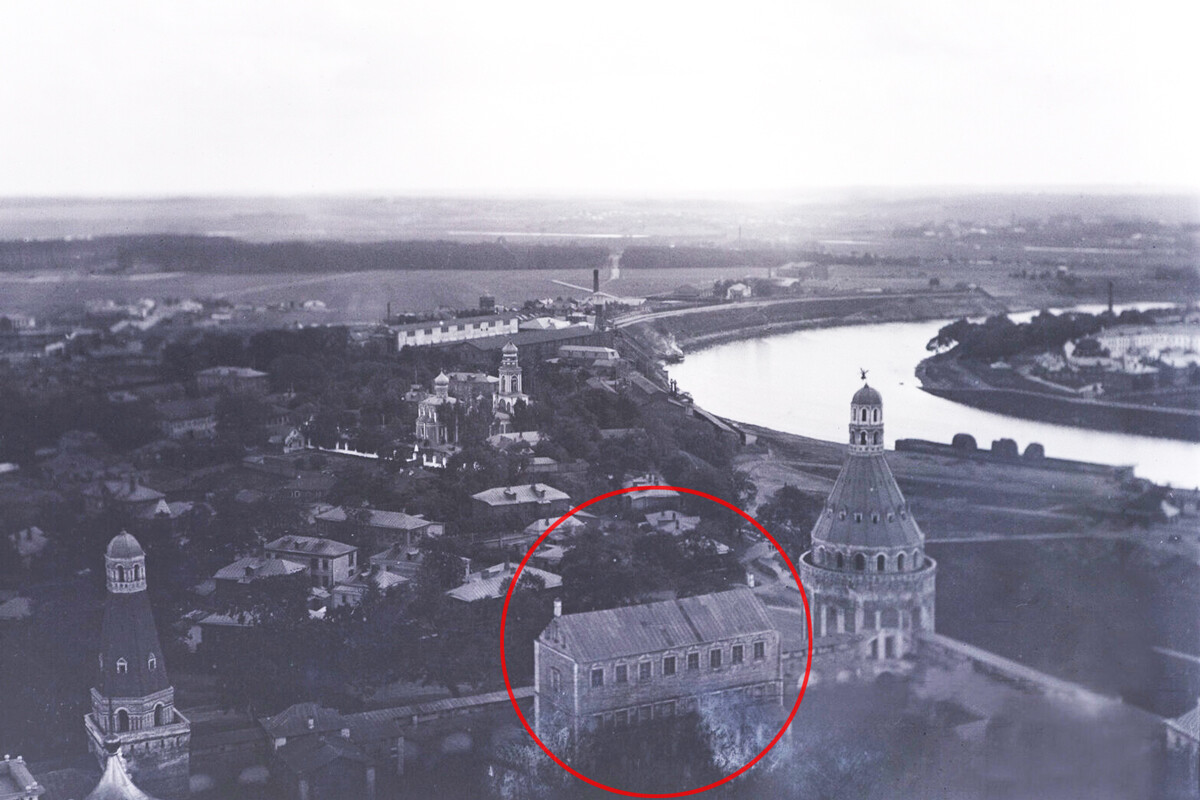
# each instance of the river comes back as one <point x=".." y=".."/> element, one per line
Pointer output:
<point x="802" y="383"/>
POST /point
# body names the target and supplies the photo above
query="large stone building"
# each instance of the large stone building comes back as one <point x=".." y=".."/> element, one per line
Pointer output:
<point x="133" y="702"/>
<point x="328" y="562"/>
<point x="622" y="666"/>
<point x="869" y="582"/>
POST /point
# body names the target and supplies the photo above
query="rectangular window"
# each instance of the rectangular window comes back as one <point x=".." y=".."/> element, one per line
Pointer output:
<point x="644" y="714"/>
<point x="622" y="673"/>
<point x="714" y="659"/>
<point x="621" y="718"/>
<point x="664" y="710"/>
<point x="760" y="650"/>
<point x="597" y="677"/>
<point x="736" y="655"/>
<point x="555" y="680"/>
<point x="693" y="661"/>
<point x="644" y="671"/>
<point x="669" y="665"/>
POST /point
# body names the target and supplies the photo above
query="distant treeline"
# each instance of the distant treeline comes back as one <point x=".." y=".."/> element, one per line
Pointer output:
<point x="218" y="254"/>
<point x="1000" y="337"/>
<point x="222" y="254"/>
<point x="663" y="257"/>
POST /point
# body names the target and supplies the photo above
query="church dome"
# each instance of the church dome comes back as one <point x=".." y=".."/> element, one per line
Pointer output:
<point x="866" y="396"/>
<point x="123" y="545"/>
<point x="442" y="379"/>
<point x="509" y="349"/>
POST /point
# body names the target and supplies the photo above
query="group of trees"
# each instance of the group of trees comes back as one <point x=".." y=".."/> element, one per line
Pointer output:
<point x="1000" y="337"/>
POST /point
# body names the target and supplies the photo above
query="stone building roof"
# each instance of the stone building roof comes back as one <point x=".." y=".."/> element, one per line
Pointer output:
<point x="16" y="780"/>
<point x="653" y="627"/>
<point x="866" y="490"/>
<point x="311" y="545"/>
<point x="252" y="568"/>
<point x="129" y="633"/>
<point x="124" y="545"/>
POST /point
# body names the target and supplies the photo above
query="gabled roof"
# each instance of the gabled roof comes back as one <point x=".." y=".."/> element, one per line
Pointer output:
<point x="522" y="493"/>
<point x="1188" y="723"/>
<point x="654" y="627"/>
<point x="378" y="518"/>
<point x="238" y="372"/>
<point x="492" y="582"/>
<point x="252" y="568"/>
<point x="311" y="545"/>
<point x="295" y="721"/>
<point x="311" y="753"/>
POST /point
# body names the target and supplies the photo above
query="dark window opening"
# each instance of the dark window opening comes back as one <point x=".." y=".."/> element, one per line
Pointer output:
<point x="693" y="661"/>
<point x="736" y="656"/>
<point x="760" y="650"/>
<point x="669" y="665"/>
<point x="597" y="677"/>
<point x="622" y="674"/>
<point x="714" y="659"/>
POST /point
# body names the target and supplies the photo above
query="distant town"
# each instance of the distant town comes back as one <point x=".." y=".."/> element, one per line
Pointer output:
<point x="259" y="548"/>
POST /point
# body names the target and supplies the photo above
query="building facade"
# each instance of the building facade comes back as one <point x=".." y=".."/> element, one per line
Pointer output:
<point x="868" y="579"/>
<point x="133" y="702"/>
<point x="520" y="504"/>
<point x="454" y="330"/>
<point x="622" y="666"/>
<point x="328" y="562"/>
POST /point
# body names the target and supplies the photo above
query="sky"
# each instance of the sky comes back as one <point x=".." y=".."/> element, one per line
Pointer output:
<point x="127" y="98"/>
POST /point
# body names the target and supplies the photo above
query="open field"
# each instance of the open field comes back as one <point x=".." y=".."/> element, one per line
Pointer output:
<point x="354" y="296"/>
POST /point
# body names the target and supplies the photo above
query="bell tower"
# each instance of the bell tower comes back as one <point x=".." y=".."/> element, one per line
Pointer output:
<point x="133" y="702"/>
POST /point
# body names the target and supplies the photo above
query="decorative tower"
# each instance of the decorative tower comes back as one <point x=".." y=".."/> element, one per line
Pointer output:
<point x="510" y="378"/>
<point x="511" y="391"/>
<point x="868" y="578"/>
<point x="434" y="412"/>
<point x="133" y="702"/>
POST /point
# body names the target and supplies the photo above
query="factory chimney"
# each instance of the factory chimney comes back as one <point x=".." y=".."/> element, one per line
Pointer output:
<point x="595" y="281"/>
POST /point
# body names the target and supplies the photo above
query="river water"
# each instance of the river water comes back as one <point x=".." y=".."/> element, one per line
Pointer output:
<point x="802" y="383"/>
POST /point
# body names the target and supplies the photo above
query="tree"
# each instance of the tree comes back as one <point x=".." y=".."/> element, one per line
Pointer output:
<point x="790" y="515"/>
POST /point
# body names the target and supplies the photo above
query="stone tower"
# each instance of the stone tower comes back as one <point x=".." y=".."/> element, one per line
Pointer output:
<point x="133" y="702"/>
<point x="868" y="579"/>
<point x="510" y="379"/>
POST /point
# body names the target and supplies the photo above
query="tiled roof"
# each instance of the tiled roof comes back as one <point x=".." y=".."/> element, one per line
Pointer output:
<point x="653" y="627"/>
<point x="522" y="493"/>
<point x="311" y="545"/>
<point x="311" y="753"/>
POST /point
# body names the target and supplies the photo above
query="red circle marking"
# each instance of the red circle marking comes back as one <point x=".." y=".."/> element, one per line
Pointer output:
<point x="504" y="663"/>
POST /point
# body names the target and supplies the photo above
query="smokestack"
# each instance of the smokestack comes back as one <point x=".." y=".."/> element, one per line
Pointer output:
<point x="388" y="318"/>
<point x="1110" y="297"/>
<point x="595" y="280"/>
<point x="557" y="607"/>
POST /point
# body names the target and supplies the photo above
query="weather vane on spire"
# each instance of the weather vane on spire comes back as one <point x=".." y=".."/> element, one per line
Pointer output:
<point x="864" y="373"/>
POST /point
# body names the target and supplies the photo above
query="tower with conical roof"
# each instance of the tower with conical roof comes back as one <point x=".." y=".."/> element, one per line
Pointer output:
<point x="868" y="579"/>
<point x="133" y="702"/>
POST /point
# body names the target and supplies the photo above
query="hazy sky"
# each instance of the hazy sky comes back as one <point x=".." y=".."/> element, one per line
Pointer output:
<point x="121" y="97"/>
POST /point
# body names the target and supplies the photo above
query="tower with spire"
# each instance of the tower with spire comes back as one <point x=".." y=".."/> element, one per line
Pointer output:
<point x="133" y="702"/>
<point x="869" y="582"/>
<point x="511" y="389"/>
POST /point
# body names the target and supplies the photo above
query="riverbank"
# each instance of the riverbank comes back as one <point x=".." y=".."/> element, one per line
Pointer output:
<point x="700" y="327"/>
<point x="944" y="376"/>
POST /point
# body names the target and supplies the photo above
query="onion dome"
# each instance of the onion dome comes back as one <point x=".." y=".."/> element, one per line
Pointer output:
<point x="442" y="379"/>
<point x="866" y="396"/>
<point x="123" y="545"/>
<point x="509" y="349"/>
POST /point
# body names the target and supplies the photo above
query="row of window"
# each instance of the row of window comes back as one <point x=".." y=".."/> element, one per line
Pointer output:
<point x="860" y="560"/>
<point x="863" y="415"/>
<point x="123" y="665"/>
<point x="737" y="655"/>
<point x="670" y="708"/>
<point x="877" y="438"/>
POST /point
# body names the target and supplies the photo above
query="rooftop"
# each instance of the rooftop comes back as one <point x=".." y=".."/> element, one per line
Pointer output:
<point x="520" y="494"/>
<point x="378" y="518"/>
<point x="252" y="568"/>
<point x="235" y="372"/>
<point x="311" y="545"/>
<point x="492" y="582"/>
<point x="654" y="627"/>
